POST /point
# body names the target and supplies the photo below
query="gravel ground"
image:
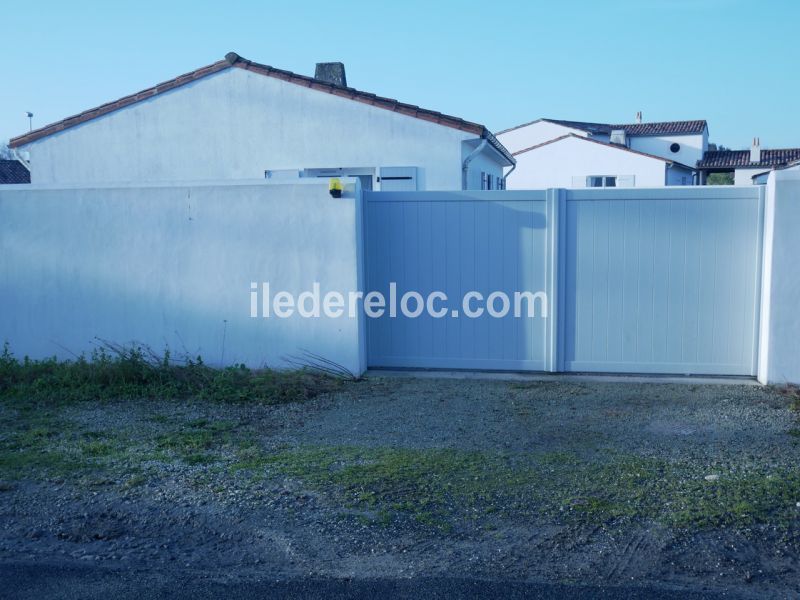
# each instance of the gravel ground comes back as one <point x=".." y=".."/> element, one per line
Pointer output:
<point x="683" y="487"/>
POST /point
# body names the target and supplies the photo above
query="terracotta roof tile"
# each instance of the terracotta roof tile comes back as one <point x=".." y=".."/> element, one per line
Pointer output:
<point x="661" y="128"/>
<point x="741" y="158"/>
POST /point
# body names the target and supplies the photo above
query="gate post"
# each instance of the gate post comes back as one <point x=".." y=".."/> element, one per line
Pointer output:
<point x="556" y="215"/>
<point x="780" y="324"/>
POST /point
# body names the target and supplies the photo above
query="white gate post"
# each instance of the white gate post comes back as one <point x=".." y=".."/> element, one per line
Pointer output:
<point x="779" y="349"/>
<point x="556" y="205"/>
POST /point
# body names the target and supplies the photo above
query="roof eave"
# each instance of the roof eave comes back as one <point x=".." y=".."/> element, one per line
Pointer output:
<point x="234" y="60"/>
<point x="498" y="147"/>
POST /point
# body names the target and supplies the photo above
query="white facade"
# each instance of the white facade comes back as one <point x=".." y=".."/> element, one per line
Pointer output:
<point x="690" y="147"/>
<point x="535" y="133"/>
<point x="682" y="151"/>
<point x="568" y="162"/>
<point x="237" y="124"/>
<point x="745" y="176"/>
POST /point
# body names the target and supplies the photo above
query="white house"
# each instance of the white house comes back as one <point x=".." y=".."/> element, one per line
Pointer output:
<point x="574" y="161"/>
<point x="237" y="119"/>
<point x="747" y="165"/>
<point x="557" y="153"/>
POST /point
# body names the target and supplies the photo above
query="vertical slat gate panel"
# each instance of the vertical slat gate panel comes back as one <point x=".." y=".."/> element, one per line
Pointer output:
<point x="663" y="280"/>
<point x="457" y="242"/>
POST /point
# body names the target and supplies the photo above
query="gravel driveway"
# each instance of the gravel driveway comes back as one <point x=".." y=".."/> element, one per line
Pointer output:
<point x="677" y="486"/>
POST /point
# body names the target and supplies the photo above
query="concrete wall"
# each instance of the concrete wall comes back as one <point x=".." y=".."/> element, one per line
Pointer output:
<point x="557" y="164"/>
<point x="536" y="133"/>
<point x="692" y="146"/>
<point x="236" y="124"/>
<point x="780" y="320"/>
<point x="172" y="266"/>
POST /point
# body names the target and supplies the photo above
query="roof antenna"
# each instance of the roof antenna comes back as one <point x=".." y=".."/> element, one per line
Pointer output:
<point x="639" y="117"/>
<point x="30" y="120"/>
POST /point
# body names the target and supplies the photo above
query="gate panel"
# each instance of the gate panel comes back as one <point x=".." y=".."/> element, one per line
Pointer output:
<point x="662" y="280"/>
<point x="457" y="242"/>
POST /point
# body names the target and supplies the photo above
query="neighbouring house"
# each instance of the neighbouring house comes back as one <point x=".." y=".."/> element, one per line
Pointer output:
<point x="13" y="171"/>
<point x="747" y="165"/>
<point x="575" y="154"/>
<point x="573" y="161"/>
<point x="238" y="119"/>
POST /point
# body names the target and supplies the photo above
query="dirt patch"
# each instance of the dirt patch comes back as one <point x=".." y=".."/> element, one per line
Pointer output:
<point x="680" y="486"/>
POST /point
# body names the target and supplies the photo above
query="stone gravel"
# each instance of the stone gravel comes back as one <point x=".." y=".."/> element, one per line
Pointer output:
<point x="196" y="517"/>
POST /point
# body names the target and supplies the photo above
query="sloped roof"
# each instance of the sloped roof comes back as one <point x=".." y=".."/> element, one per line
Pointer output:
<point x="604" y="144"/>
<point x="582" y="125"/>
<point x="718" y="159"/>
<point x="660" y="128"/>
<point x="664" y="127"/>
<point x="13" y="171"/>
<point x="233" y="60"/>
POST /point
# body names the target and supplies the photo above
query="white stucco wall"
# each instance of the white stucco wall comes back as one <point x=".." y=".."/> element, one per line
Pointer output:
<point x="485" y="162"/>
<point x="556" y="164"/>
<point x="677" y="175"/>
<point x="745" y="176"/>
<point x="173" y="266"/>
<point x="779" y="360"/>
<point x="533" y="134"/>
<point x="692" y="146"/>
<point x="236" y="124"/>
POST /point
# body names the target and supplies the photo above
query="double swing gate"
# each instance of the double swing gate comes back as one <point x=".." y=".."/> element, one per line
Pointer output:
<point x="610" y="280"/>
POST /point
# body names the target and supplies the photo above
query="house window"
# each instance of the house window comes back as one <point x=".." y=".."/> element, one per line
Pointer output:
<point x="598" y="181"/>
<point x="483" y="180"/>
<point x="675" y="148"/>
<point x="501" y="183"/>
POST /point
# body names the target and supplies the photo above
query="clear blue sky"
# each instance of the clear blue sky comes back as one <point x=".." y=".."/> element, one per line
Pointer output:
<point x="732" y="62"/>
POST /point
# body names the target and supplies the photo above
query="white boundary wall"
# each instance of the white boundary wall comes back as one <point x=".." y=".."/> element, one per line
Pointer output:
<point x="172" y="266"/>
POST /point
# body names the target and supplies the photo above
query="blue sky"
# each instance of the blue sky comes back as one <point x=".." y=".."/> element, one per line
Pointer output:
<point x="731" y="62"/>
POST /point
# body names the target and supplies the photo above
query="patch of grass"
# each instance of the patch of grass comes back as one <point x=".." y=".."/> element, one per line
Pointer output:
<point x="19" y="464"/>
<point x="439" y="488"/>
<point x="200" y="441"/>
<point x="43" y="443"/>
<point x="134" y="481"/>
<point x="160" y="419"/>
<point x="792" y="392"/>
<point x="122" y="372"/>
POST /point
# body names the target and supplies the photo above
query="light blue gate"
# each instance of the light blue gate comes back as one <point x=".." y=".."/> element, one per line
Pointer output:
<point x="662" y="280"/>
<point x="457" y="242"/>
<point x="637" y="280"/>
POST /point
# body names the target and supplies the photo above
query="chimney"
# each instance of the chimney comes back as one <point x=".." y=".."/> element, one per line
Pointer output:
<point x="332" y="72"/>
<point x="639" y="117"/>
<point x="755" y="151"/>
